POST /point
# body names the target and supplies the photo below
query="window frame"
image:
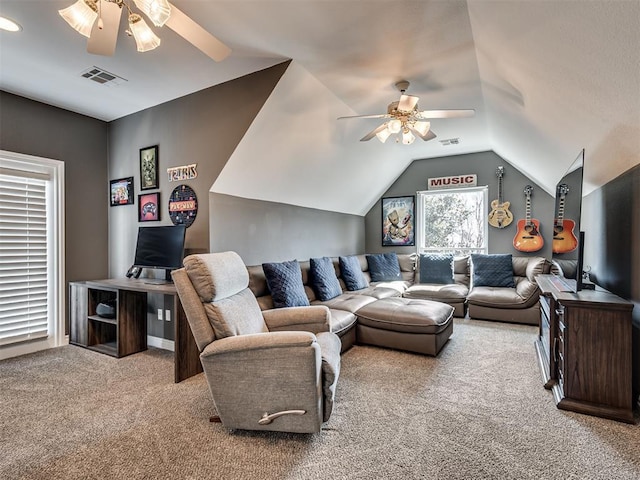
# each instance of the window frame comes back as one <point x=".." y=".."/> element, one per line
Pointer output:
<point x="53" y="171"/>
<point x="420" y="220"/>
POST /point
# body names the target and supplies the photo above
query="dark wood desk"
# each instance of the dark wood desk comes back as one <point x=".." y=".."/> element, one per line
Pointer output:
<point x="186" y="354"/>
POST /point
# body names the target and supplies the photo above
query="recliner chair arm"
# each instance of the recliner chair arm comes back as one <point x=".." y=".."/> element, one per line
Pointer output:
<point x="315" y="319"/>
<point x="257" y="341"/>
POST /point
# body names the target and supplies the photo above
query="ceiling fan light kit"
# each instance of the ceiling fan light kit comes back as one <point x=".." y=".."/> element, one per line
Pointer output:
<point x="81" y="16"/>
<point x="145" y="38"/>
<point x="407" y="121"/>
<point x="85" y="15"/>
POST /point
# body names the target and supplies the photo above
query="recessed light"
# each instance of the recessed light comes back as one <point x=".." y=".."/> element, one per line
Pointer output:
<point x="9" y="25"/>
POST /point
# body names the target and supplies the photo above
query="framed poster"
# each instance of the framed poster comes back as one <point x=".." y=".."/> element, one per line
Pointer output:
<point x="398" y="227"/>
<point x="149" y="207"/>
<point x="121" y="191"/>
<point x="149" y="168"/>
<point x="183" y="205"/>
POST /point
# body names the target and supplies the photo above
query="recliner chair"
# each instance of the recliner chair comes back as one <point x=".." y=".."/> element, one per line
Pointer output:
<point x="273" y="370"/>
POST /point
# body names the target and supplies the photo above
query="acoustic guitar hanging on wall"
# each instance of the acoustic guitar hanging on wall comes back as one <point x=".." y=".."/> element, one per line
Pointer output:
<point x="564" y="240"/>
<point x="500" y="216"/>
<point x="528" y="238"/>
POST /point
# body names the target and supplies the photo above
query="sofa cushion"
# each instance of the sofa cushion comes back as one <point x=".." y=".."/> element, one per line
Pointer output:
<point x="498" y="297"/>
<point x="349" y="301"/>
<point x="238" y="314"/>
<point x="436" y="268"/>
<point x="405" y="315"/>
<point x="285" y="283"/>
<point x="384" y="267"/>
<point x="452" y="292"/>
<point x="324" y="279"/>
<point x="494" y="270"/>
<point x="352" y="273"/>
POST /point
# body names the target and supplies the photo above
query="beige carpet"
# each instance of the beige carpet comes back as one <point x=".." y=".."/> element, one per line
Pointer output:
<point x="477" y="411"/>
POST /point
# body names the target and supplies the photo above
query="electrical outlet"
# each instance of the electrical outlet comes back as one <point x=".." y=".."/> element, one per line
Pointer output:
<point x="159" y="314"/>
<point x="167" y="315"/>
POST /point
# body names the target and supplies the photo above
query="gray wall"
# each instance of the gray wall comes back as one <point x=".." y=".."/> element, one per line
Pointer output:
<point x="204" y="128"/>
<point x="484" y="165"/>
<point x="34" y="128"/>
<point x="611" y="222"/>
<point x="266" y="231"/>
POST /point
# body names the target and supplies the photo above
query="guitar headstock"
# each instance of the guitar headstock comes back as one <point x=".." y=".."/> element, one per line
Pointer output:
<point x="563" y="189"/>
<point x="499" y="172"/>
<point x="528" y="190"/>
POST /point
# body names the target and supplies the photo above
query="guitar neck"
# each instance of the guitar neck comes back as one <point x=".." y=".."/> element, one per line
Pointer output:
<point x="560" y="217"/>
<point x="527" y="214"/>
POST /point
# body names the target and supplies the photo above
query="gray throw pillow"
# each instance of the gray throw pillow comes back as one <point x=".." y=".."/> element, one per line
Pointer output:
<point x="323" y="278"/>
<point x="436" y="268"/>
<point x="384" y="267"/>
<point x="492" y="270"/>
<point x="352" y="273"/>
<point x="285" y="283"/>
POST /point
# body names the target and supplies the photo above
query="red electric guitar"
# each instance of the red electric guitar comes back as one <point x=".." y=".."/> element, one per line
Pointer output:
<point x="564" y="240"/>
<point x="528" y="238"/>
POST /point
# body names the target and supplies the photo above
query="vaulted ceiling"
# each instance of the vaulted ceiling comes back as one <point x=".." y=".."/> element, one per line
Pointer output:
<point x="546" y="79"/>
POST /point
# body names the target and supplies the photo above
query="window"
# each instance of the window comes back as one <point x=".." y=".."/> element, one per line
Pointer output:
<point x="452" y="221"/>
<point x="31" y="272"/>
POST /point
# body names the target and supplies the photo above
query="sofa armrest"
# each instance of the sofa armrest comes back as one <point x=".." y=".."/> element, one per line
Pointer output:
<point x="536" y="266"/>
<point x="314" y="319"/>
<point x="526" y="288"/>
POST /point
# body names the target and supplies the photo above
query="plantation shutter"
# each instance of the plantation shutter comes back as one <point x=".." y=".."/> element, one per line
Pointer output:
<point x="23" y="257"/>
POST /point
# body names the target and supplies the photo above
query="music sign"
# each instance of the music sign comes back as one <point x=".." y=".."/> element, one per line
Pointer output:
<point x="455" y="181"/>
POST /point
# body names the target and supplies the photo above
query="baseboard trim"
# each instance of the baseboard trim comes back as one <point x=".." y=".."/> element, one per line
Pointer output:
<point x="160" y="343"/>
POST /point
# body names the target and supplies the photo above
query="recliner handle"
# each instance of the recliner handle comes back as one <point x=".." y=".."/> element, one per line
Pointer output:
<point x="268" y="418"/>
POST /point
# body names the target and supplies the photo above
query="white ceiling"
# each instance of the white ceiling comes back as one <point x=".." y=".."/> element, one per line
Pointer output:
<point x="545" y="78"/>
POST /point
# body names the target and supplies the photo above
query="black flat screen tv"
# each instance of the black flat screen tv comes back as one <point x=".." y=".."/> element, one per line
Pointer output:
<point x="160" y="248"/>
<point x="568" y="240"/>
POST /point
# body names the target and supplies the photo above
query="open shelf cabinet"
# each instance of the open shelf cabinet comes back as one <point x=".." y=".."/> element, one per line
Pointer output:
<point x="120" y="336"/>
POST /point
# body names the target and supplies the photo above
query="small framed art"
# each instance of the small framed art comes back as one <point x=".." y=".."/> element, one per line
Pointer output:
<point x="149" y="207"/>
<point x="149" y="168"/>
<point x="121" y="191"/>
<point x="398" y="215"/>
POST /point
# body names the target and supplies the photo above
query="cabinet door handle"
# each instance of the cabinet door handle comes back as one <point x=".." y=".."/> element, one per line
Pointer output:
<point x="555" y="349"/>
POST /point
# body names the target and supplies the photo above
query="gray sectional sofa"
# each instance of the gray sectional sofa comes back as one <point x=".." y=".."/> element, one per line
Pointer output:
<point x="409" y="315"/>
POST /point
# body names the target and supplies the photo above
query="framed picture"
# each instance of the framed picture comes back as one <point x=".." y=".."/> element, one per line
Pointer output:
<point x="149" y="207"/>
<point x="149" y="168"/>
<point x="398" y="221"/>
<point x="121" y="191"/>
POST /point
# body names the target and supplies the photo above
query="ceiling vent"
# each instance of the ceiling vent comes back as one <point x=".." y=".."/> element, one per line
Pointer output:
<point x="450" y="141"/>
<point x="103" y="77"/>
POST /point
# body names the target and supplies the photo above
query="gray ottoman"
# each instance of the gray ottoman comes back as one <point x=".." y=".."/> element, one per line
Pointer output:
<point x="420" y="326"/>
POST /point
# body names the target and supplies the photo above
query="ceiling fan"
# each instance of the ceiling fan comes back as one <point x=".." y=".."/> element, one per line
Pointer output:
<point x="406" y="121"/>
<point x="99" y="21"/>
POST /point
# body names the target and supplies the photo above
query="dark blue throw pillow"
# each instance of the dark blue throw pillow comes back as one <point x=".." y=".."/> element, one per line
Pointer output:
<point x="436" y="268"/>
<point x="352" y="273"/>
<point x="285" y="283"/>
<point x="492" y="270"/>
<point x="384" y="267"/>
<point x="323" y="278"/>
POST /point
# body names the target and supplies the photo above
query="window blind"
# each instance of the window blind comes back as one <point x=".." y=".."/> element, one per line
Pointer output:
<point x="23" y="258"/>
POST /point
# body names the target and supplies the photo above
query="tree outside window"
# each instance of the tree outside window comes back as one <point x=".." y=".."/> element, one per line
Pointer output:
<point x="452" y="221"/>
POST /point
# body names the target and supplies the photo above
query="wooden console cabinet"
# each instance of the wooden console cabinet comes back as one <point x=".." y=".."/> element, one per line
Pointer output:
<point x="120" y="336"/>
<point x="127" y="332"/>
<point x="584" y="349"/>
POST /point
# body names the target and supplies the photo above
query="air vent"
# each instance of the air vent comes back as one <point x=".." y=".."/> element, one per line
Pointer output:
<point x="103" y="77"/>
<point x="450" y="141"/>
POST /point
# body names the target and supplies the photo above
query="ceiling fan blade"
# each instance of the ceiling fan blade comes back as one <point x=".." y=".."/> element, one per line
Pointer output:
<point x="373" y="133"/>
<point x="102" y="41"/>
<point x="381" y="115"/>
<point x="426" y="137"/>
<point x="407" y="103"/>
<point x="446" y="113"/>
<point x="198" y="36"/>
